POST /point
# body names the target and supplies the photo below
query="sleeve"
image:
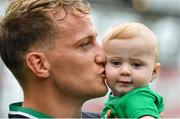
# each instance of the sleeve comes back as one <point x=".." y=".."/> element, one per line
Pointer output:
<point x="141" y="104"/>
<point x="89" y="115"/>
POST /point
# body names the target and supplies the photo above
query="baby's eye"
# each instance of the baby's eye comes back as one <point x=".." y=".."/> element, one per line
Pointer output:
<point x="136" y="65"/>
<point x="115" y="63"/>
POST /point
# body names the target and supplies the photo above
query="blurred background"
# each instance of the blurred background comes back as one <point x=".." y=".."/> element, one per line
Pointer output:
<point x="161" y="16"/>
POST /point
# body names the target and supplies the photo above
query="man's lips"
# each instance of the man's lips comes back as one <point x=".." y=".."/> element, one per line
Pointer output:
<point x="102" y="74"/>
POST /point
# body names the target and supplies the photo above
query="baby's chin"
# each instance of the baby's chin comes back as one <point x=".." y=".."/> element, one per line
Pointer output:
<point x="122" y="91"/>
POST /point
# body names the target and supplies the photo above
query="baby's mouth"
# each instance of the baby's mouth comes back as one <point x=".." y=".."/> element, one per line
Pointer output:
<point x="125" y="82"/>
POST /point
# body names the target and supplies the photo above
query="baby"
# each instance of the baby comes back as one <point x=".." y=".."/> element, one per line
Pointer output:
<point x="132" y="55"/>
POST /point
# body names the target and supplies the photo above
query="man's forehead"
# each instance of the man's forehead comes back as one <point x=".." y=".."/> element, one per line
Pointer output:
<point x="78" y="27"/>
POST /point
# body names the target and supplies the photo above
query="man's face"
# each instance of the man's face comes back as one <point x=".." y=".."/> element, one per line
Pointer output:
<point x="130" y="64"/>
<point x="77" y="61"/>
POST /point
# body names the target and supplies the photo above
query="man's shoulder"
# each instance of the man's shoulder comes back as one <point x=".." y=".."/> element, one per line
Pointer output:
<point x="16" y="116"/>
<point x="84" y="115"/>
<point x="90" y="115"/>
<point x="17" y="111"/>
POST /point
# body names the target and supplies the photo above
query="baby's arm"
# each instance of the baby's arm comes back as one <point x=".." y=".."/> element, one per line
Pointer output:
<point x="161" y="115"/>
<point x="147" y="117"/>
<point x="150" y="117"/>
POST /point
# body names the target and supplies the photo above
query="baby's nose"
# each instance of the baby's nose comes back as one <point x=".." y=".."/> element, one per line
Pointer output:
<point x="125" y="70"/>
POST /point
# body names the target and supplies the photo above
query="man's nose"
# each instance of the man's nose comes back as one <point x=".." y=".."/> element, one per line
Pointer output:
<point x="125" y="70"/>
<point x="100" y="57"/>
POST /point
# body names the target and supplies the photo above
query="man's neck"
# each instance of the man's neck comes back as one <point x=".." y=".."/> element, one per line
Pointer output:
<point x="52" y="103"/>
<point x="60" y="109"/>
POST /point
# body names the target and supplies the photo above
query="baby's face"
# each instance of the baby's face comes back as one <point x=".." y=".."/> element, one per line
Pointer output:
<point x="130" y="64"/>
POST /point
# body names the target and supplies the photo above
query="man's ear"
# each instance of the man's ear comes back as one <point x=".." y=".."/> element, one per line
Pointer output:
<point x="156" y="71"/>
<point x="38" y="64"/>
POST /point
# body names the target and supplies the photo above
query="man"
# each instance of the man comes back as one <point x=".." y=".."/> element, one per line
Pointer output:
<point x="50" y="46"/>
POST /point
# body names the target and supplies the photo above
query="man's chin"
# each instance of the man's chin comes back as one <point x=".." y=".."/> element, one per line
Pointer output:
<point x="102" y="92"/>
<point x="99" y="93"/>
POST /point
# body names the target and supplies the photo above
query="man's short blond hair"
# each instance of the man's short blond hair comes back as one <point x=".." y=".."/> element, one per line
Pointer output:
<point x="29" y="23"/>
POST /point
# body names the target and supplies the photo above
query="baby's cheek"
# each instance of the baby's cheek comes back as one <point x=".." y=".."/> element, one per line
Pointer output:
<point x="108" y="72"/>
<point x="110" y="77"/>
<point x="141" y="82"/>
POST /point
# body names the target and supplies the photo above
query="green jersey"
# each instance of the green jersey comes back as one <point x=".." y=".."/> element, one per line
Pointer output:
<point x="136" y="103"/>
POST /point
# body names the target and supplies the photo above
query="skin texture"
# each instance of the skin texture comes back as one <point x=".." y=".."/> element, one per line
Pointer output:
<point x="77" y="60"/>
<point x="67" y="74"/>
<point x="130" y="63"/>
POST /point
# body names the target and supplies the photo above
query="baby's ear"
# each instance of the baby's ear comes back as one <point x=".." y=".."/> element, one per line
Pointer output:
<point x="156" y="71"/>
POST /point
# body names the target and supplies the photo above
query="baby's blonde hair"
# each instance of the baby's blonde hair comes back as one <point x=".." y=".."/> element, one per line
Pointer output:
<point x="129" y="30"/>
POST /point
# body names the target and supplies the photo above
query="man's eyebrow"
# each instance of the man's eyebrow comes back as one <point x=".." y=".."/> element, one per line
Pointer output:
<point x="90" y="36"/>
<point x="79" y="41"/>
